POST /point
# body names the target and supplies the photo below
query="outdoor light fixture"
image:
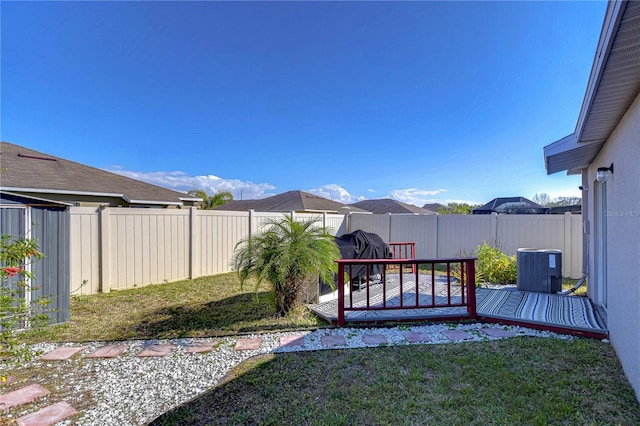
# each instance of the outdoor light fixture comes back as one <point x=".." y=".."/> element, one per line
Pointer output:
<point x="603" y="173"/>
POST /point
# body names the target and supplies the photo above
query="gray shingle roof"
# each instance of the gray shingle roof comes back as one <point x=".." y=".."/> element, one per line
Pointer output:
<point x="386" y="205"/>
<point x="26" y="170"/>
<point x="298" y="201"/>
<point x="435" y="207"/>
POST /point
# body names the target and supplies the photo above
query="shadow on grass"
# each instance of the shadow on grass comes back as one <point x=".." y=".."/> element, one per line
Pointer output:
<point x="235" y="314"/>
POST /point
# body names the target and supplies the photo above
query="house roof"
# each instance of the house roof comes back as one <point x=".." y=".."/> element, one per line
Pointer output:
<point x="435" y="207"/>
<point x="386" y="205"/>
<point x="614" y="83"/>
<point x="298" y="201"/>
<point x="30" y="171"/>
<point x="511" y="205"/>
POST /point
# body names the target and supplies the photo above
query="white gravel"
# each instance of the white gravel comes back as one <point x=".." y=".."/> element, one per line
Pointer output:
<point x="128" y="390"/>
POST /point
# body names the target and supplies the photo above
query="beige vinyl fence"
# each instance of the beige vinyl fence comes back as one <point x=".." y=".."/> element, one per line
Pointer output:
<point x="442" y="236"/>
<point x="121" y="248"/>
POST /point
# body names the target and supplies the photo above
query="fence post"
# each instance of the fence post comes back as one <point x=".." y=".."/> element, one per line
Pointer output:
<point x="105" y="257"/>
<point x="494" y="229"/>
<point x="567" y="262"/>
<point x="193" y="232"/>
<point x="250" y="220"/>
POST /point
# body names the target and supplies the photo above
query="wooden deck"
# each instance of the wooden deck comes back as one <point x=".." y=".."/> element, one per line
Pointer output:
<point x="560" y="313"/>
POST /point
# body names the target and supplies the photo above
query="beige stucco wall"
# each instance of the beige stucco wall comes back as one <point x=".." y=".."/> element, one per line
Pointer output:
<point x="623" y="240"/>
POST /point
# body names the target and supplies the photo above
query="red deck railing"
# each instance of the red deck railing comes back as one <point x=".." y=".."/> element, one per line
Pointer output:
<point x="431" y="283"/>
<point x="402" y="250"/>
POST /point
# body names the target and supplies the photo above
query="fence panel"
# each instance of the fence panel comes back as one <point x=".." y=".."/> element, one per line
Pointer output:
<point x="461" y="234"/>
<point x="147" y="246"/>
<point x="421" y="229"/>
<point x="530" y="231"/>
<point x="84" y="250"/>
<point x="218" y="233"/>
<point x="375" y="223"/>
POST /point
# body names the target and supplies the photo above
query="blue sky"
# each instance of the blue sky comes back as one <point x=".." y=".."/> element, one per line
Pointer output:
<point x="417" y="101"/>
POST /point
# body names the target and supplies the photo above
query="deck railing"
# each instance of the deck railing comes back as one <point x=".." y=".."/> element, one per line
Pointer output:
<point x="402" y="250"/>
<point x="431" y="284"/>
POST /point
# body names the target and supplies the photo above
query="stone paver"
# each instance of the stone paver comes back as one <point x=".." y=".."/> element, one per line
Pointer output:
<point x="248" y="344"/>
<point x="336" y="340"/>
<point x="156" y="350"/>
<point x="290" y="341"/>
<point x="109" y="351"/>
<point x="62" y="353"/>
<point x="414" y="337"/>
<point x="457" y="335"/>
<point x="48" y="415"/>
<point x="21" y="396"/>
<point x="9" y="379"/>
<point x="497" y="332"/>
<point x="374" y="339"/>
<point x="200" y="347"/>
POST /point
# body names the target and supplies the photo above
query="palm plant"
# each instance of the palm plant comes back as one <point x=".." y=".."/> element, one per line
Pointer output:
<point x="211" y="201"/>
<point x="286" y="254"/>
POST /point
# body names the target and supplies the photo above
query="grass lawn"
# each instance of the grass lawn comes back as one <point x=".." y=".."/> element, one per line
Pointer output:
<point x="203" y="307"/>
<point x="518" y="381"/>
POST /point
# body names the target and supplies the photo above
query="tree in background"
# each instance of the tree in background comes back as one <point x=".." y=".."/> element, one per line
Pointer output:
<point x="565" y="201"/>
<point x="211" y="201"/>
<point x="546" y="201"/>
<point x="458" y="208"/>
<point x="542" y="199"/>
<point x="286" y="254"/>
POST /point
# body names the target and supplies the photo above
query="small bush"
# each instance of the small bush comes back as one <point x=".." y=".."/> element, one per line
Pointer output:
<point x="495" y="266"/>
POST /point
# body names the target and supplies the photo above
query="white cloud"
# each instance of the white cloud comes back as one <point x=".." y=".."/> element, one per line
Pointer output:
<point x="180" y="181"/>
<point x="335" y="192"/>
<point x="415" y="196"/>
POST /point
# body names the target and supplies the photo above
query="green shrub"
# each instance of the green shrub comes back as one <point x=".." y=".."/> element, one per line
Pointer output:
<point x="16" y="311"/>
<point x="495" y="266"/>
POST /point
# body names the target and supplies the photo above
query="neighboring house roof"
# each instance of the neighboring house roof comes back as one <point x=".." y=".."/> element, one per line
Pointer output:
<point x="237" y="205"/>
<point x="613" y="85"/>
<point x="573" y="208"/>
<point x="386" y="205"/>
<point x="298" y="201"/>
<point x="27" y="171"/>
<point x="435" y="207"/>
<point x="511" y="205"/>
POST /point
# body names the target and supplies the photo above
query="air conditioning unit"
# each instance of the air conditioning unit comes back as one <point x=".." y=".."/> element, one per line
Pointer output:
<point x="539" y="270"/>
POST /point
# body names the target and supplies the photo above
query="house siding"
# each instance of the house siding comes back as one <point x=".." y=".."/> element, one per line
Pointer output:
<point x="623" y="239"/>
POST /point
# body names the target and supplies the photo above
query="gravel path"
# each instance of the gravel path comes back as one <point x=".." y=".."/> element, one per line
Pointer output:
<point x="129" y="390"/>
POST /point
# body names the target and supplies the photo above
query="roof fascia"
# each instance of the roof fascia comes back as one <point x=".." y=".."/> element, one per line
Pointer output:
<point x="65" y="192"/>
<point x="613" y="16"/>
<point x="36" y="198"/>
<point x="160" y="203"/>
